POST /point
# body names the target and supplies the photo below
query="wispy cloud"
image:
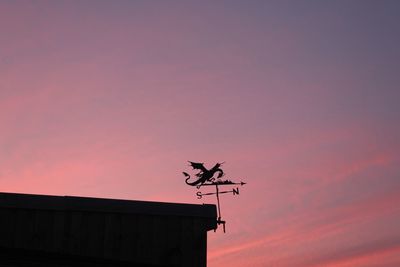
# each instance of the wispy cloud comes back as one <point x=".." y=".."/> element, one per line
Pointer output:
<point x="313" y="228"/>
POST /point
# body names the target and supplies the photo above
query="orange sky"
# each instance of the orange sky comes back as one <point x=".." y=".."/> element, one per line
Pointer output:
<point x="299" y="98"/>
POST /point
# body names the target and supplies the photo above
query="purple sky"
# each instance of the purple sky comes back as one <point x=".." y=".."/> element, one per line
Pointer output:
<point x="299" y="98"/>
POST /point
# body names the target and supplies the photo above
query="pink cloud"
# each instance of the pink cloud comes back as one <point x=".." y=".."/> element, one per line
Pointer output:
<point x="366" y="255"/>
<point x="309" y="229"/>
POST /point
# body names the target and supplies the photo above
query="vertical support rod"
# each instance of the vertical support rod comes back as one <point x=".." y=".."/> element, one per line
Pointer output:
<point x="219" y="221"/>
<point x="219" y="209"/>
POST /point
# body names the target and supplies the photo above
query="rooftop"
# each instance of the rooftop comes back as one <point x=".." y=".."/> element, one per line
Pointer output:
<point x="46" y="202"/>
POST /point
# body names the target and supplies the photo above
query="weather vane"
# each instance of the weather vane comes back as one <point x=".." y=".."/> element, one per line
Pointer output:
<point x="205" y="177"/>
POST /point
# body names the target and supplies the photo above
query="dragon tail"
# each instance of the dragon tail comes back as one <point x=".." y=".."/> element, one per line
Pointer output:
<point x="187" y="180"/>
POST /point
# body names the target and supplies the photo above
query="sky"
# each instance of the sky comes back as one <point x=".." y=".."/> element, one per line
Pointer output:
<point x="298" y="98"/>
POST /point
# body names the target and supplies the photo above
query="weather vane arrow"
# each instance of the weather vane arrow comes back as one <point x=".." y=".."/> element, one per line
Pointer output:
<point x="224" y="183"/>
<point x="205" y="177"/>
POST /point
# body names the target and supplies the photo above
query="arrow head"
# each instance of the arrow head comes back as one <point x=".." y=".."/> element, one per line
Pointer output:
<point x="242" y="183"/>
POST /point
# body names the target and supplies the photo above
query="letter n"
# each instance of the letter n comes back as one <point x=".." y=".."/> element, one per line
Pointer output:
<point x="235" y="191"/>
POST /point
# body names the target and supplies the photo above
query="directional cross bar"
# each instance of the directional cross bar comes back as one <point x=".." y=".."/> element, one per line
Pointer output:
<point x="235" y="191"/>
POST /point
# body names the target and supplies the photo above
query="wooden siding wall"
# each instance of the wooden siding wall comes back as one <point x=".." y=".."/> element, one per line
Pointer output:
<point x="149" y="239"/>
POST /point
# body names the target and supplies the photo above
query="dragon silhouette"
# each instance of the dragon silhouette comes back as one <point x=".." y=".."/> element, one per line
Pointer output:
<point x="204" y="175"/>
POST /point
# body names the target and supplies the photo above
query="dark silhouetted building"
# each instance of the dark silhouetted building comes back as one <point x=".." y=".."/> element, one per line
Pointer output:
<point x="37" y="230"/>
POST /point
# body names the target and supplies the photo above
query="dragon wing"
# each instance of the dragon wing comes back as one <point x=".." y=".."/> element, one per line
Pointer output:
<point x="198" y="166"/>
